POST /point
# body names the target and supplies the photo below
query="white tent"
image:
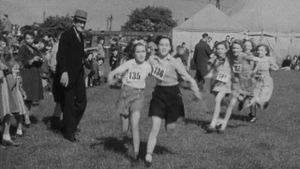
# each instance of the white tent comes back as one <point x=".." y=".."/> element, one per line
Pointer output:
<point x="274" y="22"/>
<point x="208" y="20"/>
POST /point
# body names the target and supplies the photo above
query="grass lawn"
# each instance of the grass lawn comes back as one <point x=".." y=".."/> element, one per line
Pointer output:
<point x="273" y="141"/>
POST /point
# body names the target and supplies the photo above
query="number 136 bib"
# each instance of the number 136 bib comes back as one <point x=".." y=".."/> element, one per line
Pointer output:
<point x="159" y="72"/>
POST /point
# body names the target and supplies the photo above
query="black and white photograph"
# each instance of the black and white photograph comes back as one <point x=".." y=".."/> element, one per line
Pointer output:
<point x="160" y="84"/>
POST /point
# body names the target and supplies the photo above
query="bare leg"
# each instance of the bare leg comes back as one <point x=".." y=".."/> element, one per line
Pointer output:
<point x="135" y="117"/>
<point x="156" y="123"/>
<point x="228" y="113"/>
<point x="125" y="123"/>
<point x="217" y="109"/>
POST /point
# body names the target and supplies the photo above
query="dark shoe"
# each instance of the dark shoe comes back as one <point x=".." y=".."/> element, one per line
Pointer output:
<point x="135" y="161"/>
<point x="241" y="105"/>
<point x="27" y="125"/>
<point x="71" y="139"/>
<point x="148" y="162"/>
<point x="252" y="118"/>
<point x="266" y="105"/>
<point x="10" y="143"/>
<point x="77" y="130"/>
<point x="55" y="123"/>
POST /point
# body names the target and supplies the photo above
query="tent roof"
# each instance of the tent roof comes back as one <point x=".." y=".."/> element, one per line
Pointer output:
<point x="270" y="16"/>
<point x="210" y="19"/>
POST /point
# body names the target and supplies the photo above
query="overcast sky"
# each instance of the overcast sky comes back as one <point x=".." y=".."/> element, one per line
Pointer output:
<point x="28" y="11"/>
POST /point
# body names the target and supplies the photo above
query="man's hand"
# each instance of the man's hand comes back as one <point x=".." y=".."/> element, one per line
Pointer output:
<point x="64" y="80"/>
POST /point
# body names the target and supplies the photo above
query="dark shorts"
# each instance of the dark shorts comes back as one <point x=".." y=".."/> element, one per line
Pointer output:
<point x="166" y="103"/>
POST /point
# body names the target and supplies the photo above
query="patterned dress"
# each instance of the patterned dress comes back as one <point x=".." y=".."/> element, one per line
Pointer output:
<point x="242" y="67"/>
<point x="265" y="85"/>
<point x="221" y="72"/>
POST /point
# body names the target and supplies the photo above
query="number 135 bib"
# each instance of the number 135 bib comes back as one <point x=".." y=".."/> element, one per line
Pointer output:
<point x="134" y="75"/>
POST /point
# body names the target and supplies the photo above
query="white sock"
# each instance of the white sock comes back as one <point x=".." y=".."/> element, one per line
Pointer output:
<point x="148" y="157"/>
<point x="6" y="137"/>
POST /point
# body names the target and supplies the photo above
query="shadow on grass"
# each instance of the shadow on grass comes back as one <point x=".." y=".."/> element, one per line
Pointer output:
<point x="120" y="146"/>
<point x="239" y="117"/>
<point x="202" y="123"/>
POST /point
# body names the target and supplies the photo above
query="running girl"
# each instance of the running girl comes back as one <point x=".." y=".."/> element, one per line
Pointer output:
<point x="166" y="102"/>
<point x="131" y="100"/>
<point x="265" y="83"/>
<point x="220" y="70"/>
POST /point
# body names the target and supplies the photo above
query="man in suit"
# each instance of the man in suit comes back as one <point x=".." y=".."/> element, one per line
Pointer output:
<point x="202" y="54"/>
<point x="70" y="73"/>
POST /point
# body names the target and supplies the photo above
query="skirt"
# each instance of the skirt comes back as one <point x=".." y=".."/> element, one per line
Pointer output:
<point x="130" y="100"/>
<point x="166" y="103"/>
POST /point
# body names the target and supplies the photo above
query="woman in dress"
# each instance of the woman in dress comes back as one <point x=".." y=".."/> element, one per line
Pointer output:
<point x="265" y="85"/>
<point x="220" y="72"/>
<point x="31" y="74"/>
<point x="242" y="81"/>
<point x="7" y="106"/>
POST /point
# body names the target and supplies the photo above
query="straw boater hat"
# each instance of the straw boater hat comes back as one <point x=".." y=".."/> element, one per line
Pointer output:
<point x="80" y="15"/>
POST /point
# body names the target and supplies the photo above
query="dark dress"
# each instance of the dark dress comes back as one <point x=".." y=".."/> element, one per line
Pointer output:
<point x="31" y="74"/>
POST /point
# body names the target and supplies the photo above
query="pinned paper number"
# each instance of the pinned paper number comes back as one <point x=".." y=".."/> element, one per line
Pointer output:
<point x="159" y="72"/>
<point x="222" y="77"/>
<point x="237" y="68"/>
<point x="134" y="76"/>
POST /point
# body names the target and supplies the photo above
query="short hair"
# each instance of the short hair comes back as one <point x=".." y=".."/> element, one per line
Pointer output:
<point x="266" y="47"/>
<point x="6" y="15"/>
<point x="138" y="44"/>
<point x="238" y="42"/>
<point x="28" y="33"/>
<point x="222" y="43"/>
<point x="159" y="38"/>
<point x="248" y="40"/>
<point x="204" y="35"/>
<point x="183" y="43"/>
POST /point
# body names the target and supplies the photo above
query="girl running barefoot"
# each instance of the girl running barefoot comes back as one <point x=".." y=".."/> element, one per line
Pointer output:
<point x="265" y="86"/>
<point x="166" y="102"/>
<point x="131" y="100"/>
<point x="220" y="71"/>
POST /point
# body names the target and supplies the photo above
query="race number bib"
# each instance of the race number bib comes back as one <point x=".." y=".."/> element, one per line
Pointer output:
<point x="134" y="75"/>
<point x="237" y="68"/>
<point x="159" y="72"/>
<point x="223" y="77"/>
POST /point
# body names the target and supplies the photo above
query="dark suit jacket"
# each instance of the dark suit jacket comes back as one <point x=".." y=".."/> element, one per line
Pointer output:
<point x="201" y="56"/>
<point x="70" y="55"/>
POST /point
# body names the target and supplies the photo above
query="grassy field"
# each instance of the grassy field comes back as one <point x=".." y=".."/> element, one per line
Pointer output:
<point x="272" y="142"/>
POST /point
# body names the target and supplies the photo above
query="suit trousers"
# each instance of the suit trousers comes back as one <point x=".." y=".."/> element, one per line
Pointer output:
<point x="73" y="104"/>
